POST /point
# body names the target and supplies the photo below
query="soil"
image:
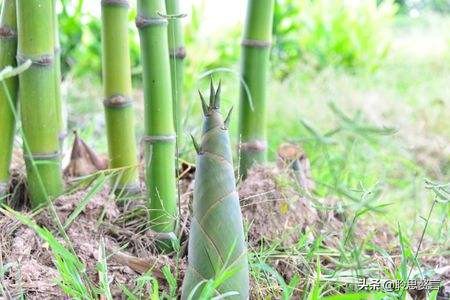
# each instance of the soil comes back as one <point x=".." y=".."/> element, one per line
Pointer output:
<point x="274" y="207"/>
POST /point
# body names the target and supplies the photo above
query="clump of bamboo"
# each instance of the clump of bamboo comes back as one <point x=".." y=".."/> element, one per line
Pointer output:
<point x="216" y="239"/>
<point x="177" y="55"/>
<point x="117" y="90"/>
<point x="8" y="47"/>
<point x="255" y="70"/>
<point x="35" y="24"/>
<point x="159" y="128"/>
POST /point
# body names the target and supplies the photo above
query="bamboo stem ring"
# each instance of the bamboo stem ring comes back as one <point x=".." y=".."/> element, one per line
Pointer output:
<point x="7" y="32"/>
<point x="123" y="3"/>
<point x="256" y="43"/>
<point x="142" y="22"/>
<point x="118" y="101"/>
<point x="178" y="53"/>
<point x="254" y="146"/>
<point x="159" y="138"/>
<point x="43" y="156"/>
<point x="41" y="60"/>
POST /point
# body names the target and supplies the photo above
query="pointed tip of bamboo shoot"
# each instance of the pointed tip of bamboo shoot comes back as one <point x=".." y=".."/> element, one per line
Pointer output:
<point x="217" y="96"/>
<point x="204" y="105"/>
<point x="196" y="145"/>
<point x="228" y="118"/>
<point x="211" y="93"/>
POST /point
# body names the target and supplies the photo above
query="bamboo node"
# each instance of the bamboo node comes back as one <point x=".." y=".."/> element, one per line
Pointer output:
<point x="253" y="146"/>
<point x="123" y="3"/>
<point x="43" y="60"/>
<point x="118" y="101"/>
<point x="159" y="138"/>
<point x="142" y="22"/>
<point x="7" y="32"/>
<point x="256" y="43"/>
<point x="43" y="156"/>
<point x="178" y="53"/>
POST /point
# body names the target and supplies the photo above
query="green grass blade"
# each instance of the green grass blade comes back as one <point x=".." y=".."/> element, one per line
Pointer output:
<point x="96" y="188"/>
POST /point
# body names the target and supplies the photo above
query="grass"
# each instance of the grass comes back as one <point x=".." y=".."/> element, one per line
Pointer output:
<point x="377" y="142"/>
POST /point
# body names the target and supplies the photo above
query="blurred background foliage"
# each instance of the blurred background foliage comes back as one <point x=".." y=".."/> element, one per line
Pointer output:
<point x="341" y="33"/>
<point x="323" y="33"/>
<point x="442" y="6"/>
<point x="80" y="33"/>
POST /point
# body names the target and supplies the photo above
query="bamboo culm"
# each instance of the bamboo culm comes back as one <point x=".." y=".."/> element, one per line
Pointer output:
<point x="118" y="102"/>
<point x="159" y="128"/>
<point x="255" y="72"/>
<point x="177" y="53"/>
<point x="58" y="78"/>
<point x="216" y="239"/>
<point x="35" y="24"/>
<point x="8" y="48"/>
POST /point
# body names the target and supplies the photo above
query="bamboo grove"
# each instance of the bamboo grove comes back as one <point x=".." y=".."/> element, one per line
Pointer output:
<point x="29" y="33"/>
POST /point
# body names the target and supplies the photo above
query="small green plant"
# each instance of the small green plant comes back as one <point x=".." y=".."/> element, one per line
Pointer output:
<point x="145" y="285"/>
<point x="102" y="268"/>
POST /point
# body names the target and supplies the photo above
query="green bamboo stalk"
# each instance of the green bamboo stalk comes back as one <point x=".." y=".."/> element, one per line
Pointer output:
<point x="118" y="103"/>
<point x="37" y="99"/>
<point x="57" y="64"/>
<point x="177" y="55"/>
<point x="216" y="239"/>
<point x="8" y="49"/>
<point x="160" y="133"/>
<point x="255" y="72"/>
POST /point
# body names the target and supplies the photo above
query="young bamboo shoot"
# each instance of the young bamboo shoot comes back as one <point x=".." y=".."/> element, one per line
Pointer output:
<point x="216" y="238"/>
